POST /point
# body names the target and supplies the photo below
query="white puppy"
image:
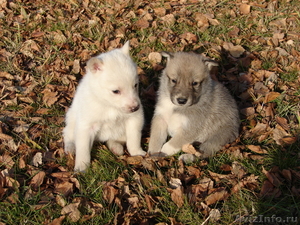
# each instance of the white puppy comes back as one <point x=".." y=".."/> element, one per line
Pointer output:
<point x="105" y="107"/>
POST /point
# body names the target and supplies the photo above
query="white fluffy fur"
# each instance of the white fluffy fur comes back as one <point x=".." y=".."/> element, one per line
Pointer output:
<point x="105" y="107"/>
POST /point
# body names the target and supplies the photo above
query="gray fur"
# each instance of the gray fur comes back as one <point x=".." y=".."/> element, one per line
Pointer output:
<point x="192" y="107"/>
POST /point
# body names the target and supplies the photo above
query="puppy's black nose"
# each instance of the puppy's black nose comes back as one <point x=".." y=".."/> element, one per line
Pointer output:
<point x="135" y="108"/>
<point x="181" y="101"/>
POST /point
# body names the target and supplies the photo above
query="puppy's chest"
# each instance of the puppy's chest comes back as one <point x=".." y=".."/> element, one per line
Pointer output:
<point x="109" y="127"/>
<point x="175" y="121"/>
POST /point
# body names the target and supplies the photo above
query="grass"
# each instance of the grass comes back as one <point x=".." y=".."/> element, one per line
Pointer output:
<point x="82" y="39"/>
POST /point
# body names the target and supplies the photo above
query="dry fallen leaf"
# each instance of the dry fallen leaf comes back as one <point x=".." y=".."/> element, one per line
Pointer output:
<point x="217" y="196"/>
<point x="37" y="180"/>
<point x="188" y="148"/>
<point x="234" y="50"/>
<point x="155" y="57"/>
<point x="49" y="97"/>
<point x="72" y="212"/>
<point x="57" y="221"/>
<point x="257" y="149"/>
<point x="177" y="196"/>
<point x="245" y="9"/>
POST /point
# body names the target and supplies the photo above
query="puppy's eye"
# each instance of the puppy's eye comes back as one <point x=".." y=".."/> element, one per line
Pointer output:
<point x="195" y="83"/>
<point x="136" y="85"/>
<point x="174" y="81"/>
<point x="116" y="91"/>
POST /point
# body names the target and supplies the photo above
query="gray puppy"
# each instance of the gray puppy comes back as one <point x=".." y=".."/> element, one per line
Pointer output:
<point x="192" y="108"/>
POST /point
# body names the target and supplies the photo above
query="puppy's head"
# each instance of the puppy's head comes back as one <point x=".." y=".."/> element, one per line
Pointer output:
<point x="186" y="74"/>
<point x="115" y="80"/>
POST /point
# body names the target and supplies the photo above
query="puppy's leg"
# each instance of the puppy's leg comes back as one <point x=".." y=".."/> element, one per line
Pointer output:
<point x="134" y="135"/>
<point x="158" y="134"/>
<point x="83" y="143"/>
<point x="115" y="146"/>
<point x="209" y="148"/>
<point x="215" y="142"/>
<point x="68" y="134"/>
<point x="175" y="144"/>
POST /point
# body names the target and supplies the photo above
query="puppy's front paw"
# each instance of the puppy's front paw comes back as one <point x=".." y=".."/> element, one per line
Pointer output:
<point x="168" y="149"/>
<point x="81" y="167"/>
<point x="138" y="152"/>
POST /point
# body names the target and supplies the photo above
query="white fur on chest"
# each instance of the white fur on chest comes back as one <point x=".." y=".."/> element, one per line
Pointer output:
<point x="175" y="121"/>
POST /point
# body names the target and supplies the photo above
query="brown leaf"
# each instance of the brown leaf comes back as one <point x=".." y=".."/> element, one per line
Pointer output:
<point x="109" y="193"/>
<point x="188" y="148"/>
<point x="289" y="140"/>
<point x="61" y="175"/>
<point x="283" y="123"/>
<point x="219" y="195"/>
<point x="211" y="19"/>
<point x="63" y="187"/>
<point x="37" y="180"/>
<point x="57" y="221"/>
<point x="189" y="37"/>
<point x="245" y="9"/>
<point x="257" y="149"/>
<point x="193" y="171"/>
<point x="177" y="196"/>
<point x="271" y="96"/>
<point x="234" y="50"/>
<point x="142" y="23"/>
<point x="238" y="169"/>
<point x="287" y="174"/>
<point x="6" y="160"/>
<point x="160" y="11"/>
<point x="248" y="111"/>
<point x="214" y="215"/>
<point x="49" y="97"/>
<point x="268" y="189"/>
<point x="133" y="201"/>
<point x="246" y="181"/>
<point x="226" y="167"/>
<point x="168" y="19"/>
<point x="260" y="128"/>
<point x="272" y="177"/>
<point x="155" y="57"/>
<point x="72" y="211"/>
<point x="202" y="21"/>
<point x="60" y="200"/>
<point x="76" y="66"/>
<point x="6" y="75"/>
<point x="12" y="183"/>
<point x="279" y="134"/>
<point x="134" y="160"/>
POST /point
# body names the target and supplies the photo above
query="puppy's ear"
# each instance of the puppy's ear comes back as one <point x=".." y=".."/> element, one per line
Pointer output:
<point x="95" y="64"/>
<point x="209" y="63"/>
<point x="125" y="48"/>
<point x="168" y="55"/>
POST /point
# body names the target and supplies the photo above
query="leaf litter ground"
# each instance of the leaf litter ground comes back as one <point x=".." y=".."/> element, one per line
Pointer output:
<point x="43" y="50"/>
